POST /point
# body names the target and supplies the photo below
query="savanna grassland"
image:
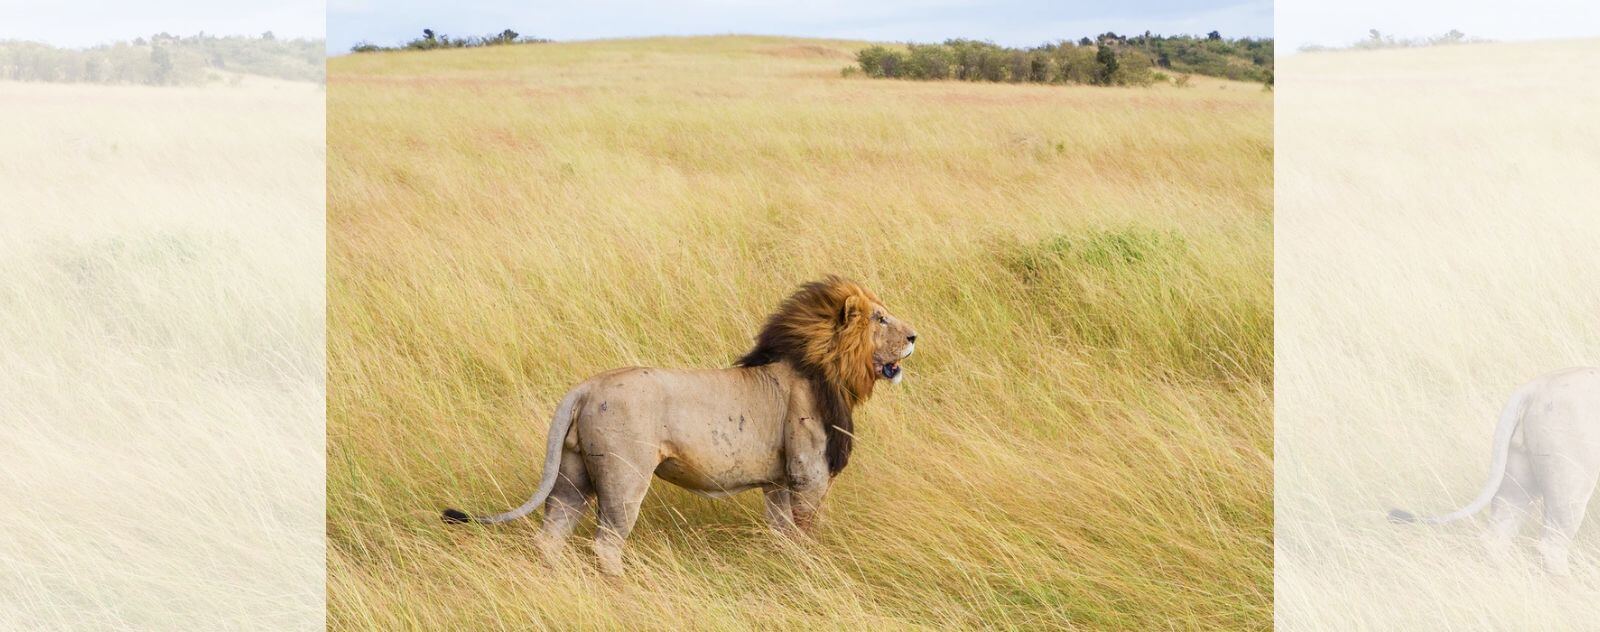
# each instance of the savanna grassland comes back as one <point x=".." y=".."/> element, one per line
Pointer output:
<point x="1438" y="250"/>
<point x="162" y="354"/>
<point x="1083" y="439"/>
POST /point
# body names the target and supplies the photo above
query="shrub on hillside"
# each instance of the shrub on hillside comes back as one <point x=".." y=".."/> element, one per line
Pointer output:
<point x="976" y="61"/>
<point x="431" y="41"/>
<point x="1133" y="70"/>
<point x="877" y="61"/>
<point x="928" y="61"/>
<point x="1106" y="74"/>
<point x="1377" y="39"/>
<point x="1109" y="59"/>
<point x="1073" y="64"/>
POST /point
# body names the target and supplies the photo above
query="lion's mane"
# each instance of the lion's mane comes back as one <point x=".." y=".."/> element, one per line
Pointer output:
<point x="824" y="331"/>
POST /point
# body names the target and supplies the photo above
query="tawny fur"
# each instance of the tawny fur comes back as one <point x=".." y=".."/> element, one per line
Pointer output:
<point x="779" y="420"/>
<point x="825" y="332"/>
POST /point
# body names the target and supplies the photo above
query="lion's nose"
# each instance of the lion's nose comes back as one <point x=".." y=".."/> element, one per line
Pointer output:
<point x="911" y="338"/>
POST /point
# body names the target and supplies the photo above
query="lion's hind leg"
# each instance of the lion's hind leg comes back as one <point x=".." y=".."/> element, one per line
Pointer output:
<point x="620" y="482"/>
<point x="565" y="507"/>
<point x="1567" y="485"/>
<point x="1511" y="505"/>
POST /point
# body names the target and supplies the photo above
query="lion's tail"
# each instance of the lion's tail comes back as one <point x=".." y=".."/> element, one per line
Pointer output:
<point x="552" y="465"/>
<point x="1510" y="418"/>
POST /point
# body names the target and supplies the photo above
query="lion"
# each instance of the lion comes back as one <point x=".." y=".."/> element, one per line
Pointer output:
<point x="779" y="420"/>
<point x="1547" y="445"/>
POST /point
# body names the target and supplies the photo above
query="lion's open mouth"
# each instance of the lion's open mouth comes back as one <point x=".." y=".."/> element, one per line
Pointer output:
<point x="890" y="370"/>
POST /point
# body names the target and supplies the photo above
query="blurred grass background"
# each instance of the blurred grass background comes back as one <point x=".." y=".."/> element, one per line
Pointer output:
<point x="1437" y="252"/>
<point x="162" y="347"/>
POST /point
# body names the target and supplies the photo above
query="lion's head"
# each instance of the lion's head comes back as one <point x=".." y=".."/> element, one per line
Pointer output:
<point x="843" y="340"/>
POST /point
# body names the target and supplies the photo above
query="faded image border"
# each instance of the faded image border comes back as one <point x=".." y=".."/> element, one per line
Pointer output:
<point x="161" y="333"/>
<point x="1434" y="255"/>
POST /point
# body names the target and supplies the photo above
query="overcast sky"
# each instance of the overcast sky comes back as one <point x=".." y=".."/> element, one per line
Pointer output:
<point x="1338" y="22"/>
<point x="1012" y="22"/>
<point x="78" y="23"/>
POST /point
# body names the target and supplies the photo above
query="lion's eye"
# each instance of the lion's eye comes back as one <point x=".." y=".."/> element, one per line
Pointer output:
<point x="882" y="320"/>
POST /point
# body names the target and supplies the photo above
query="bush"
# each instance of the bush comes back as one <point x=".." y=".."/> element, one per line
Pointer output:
<point x="1039" y="69"/>
<point x="1376" y="39"/>
<point x="877" y="61"/>
<point x="1245" y="59"/>
<point x="928" y="61"/>
<point x="977" y="61"/>
<point x="1133" y="69"/>
<point x="431" y="41"/>
<point x="1106" y="74"/>
<point x="1109" y="60"/>
<point x="1074" y="64"/>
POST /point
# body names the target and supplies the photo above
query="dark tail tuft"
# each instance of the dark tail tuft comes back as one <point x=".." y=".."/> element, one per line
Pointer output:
<point x="1399" y="516"/>
<point x="456" y="516"/>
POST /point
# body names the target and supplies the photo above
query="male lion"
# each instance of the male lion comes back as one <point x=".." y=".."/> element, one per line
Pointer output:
<point x="778" y="420"/>
<point x="1555" y="456"/>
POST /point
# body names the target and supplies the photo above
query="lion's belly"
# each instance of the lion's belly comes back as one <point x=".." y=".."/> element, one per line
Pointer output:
<point x="713" y="484"/>
<point x="722" y="453"/>
<point x="711" y="431"/>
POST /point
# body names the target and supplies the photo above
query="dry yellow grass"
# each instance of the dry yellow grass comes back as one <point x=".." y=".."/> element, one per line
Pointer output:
<point x="1437" y="248"/>
<point x="161" y="356"/>
<point x="1082" y="440"/>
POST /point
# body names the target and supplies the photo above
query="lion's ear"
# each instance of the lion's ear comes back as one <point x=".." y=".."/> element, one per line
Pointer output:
<point x="850" y="311"/>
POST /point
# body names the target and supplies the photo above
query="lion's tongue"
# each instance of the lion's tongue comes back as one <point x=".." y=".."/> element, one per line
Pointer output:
<point x="891" y="369"/>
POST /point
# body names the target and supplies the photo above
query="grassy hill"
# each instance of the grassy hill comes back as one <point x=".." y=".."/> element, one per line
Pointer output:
<point x="1082" y="440"/>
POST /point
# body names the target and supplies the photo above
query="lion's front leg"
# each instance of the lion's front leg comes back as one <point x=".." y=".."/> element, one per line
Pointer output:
<point x="806" y="463"/>
<point x="780" y="511"/>
<point x="806" y="500"/>
<point x="808" y="484"/>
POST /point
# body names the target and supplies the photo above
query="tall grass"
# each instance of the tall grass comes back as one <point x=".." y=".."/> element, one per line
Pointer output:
<point x="1082" y="440"/>
<point x="1437" y="251"/>
<point x="161" y="357"/>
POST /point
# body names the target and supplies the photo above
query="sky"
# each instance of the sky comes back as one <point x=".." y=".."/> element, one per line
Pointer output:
<point x="80" y="23"/>
<point x="1341" y="22"/>
<point x="1008" y="22"/>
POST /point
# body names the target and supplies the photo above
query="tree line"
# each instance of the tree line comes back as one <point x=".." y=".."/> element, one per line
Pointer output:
<point x="165" y="60"/>
<point x="1378" y="40"/>
<point x="1108" y="60"/>
<point x="431" y="41"/>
